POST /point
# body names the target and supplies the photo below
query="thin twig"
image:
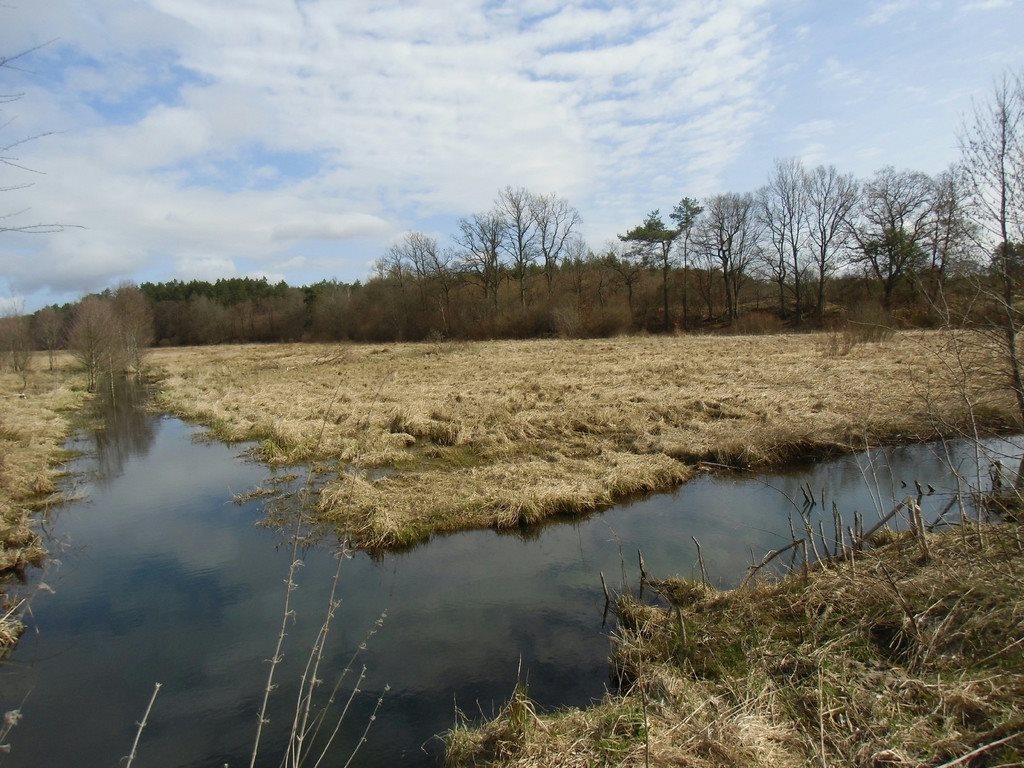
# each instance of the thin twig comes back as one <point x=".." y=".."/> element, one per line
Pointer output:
<point x="276" y="659"/>
<point x="982" y="749"/>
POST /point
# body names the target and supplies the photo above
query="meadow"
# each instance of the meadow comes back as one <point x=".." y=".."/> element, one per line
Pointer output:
<point x="409" y="440"/>
<point x="415" y="439"/>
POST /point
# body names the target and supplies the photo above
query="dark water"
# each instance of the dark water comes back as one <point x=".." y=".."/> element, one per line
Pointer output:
<point x="159" y="577"/>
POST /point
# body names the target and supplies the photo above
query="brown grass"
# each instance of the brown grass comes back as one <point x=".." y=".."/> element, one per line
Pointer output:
<point x="504" y="433"/>
<point x="35" y="416"/>
<point x="892" y="662"/>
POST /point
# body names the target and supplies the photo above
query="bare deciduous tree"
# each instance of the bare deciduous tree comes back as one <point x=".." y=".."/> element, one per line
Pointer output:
<point x="481" y="238"/>
<point x="49" y="330"/>
<point x="442" y="269"/>
<point x="15" y="341"/>
<point x="414" y="253"/>
<point x="949" y="235"/>
<point x="782" y="208"/>
<point x="556" y="223"/>
<point x="135" y="324"/>
<point x="94" y="340"/>
<point x="514" y="207"/>
<point x="730" y="235"/>
<point x="773" y="258"/>
<point x="831" y="200"/>
<point x="992" y="163"/>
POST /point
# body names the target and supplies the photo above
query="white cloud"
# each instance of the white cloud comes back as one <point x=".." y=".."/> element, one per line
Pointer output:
<point x="327" y="227"/>
<point x="228" y="138"/>
<point x="884" y="12"/>
<point x="986" y="5"/>
<point x="812" y="129"/>
<point x="203" y="268"/>
<point x="409" y="114"/>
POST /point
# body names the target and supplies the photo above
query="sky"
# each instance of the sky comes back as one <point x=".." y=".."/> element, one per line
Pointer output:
<point x="298" y="139"/>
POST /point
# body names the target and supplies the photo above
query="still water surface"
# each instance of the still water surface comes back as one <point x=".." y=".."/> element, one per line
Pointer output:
<point x="158" y="576"/>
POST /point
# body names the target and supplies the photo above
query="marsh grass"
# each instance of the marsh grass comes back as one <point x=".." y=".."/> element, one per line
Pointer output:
<point x="889" y="659"/>
<point x="505" y="434"/>
<point x="37" y="413"/>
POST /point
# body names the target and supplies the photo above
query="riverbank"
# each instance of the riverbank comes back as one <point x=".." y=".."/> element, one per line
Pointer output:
<point x="36" y="417"/>
<point x="892" y="659"/>
<point x="502" y="434"/>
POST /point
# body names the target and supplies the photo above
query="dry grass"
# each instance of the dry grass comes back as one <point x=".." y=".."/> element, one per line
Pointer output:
<point x="892" y="662"/>
<point x="503" y="433"/>
<point x="35" y="419"/>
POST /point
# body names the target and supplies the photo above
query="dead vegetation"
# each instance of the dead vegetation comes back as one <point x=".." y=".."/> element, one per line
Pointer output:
<point x="888" y="659"/>
<point x="35" y="413"/>
<point x="507" y="433"/>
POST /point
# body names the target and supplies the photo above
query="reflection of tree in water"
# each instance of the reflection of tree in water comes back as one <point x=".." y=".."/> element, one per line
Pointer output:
<point x="126" y="428"/>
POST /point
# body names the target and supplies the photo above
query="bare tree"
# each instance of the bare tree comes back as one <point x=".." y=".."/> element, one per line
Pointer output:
<point x="992" y="162"/>
<point x="556" y="223"/>
<point x="415" y="252"/>
<point x="949" y="234"/>
<point x="15" y="341"/>
<point x="773" y="258"/>
<point x="577" y="261"/>
<point x="394" y="268"/>
<point x="481" y="238"/>
<point x="442" y="270"/>
<point x="730" y="234"/>
<point x="135" y="323"/>
<point x="49" y="330"/>
<point x="782" y="208"/>
<point x="709" y="283"/>
<point x="831" y="200"/>
<point x="93" y="340"/>
<point x="514" y="208"/>
<point x="891" y="225"/>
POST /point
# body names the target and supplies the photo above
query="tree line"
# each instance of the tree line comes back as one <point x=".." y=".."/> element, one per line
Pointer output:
<point x="809" y="247"/>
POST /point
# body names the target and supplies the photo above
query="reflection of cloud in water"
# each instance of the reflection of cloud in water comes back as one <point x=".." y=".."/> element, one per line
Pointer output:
<point x="169" y="581"/>
<point x="126" y="430"/>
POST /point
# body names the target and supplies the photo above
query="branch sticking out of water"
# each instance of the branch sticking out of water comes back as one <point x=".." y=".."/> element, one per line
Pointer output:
<point x="142" y="724"/>
<point x="700" y="560"/>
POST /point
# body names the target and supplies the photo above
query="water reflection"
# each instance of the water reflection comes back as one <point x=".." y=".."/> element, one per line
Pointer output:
<point x="169" y="581"/>
<point x="126" y="429"/>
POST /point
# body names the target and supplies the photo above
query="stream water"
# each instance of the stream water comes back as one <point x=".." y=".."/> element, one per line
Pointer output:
<point x="157" y="576"/>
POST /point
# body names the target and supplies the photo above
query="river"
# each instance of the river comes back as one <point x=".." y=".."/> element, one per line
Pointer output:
<point x="157" y="576"/>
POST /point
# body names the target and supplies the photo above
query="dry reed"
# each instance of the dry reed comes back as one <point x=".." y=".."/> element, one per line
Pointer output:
<point x="509" y="433"/>
<point x="894" y="660"/>
<point x="36" y="411"/>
